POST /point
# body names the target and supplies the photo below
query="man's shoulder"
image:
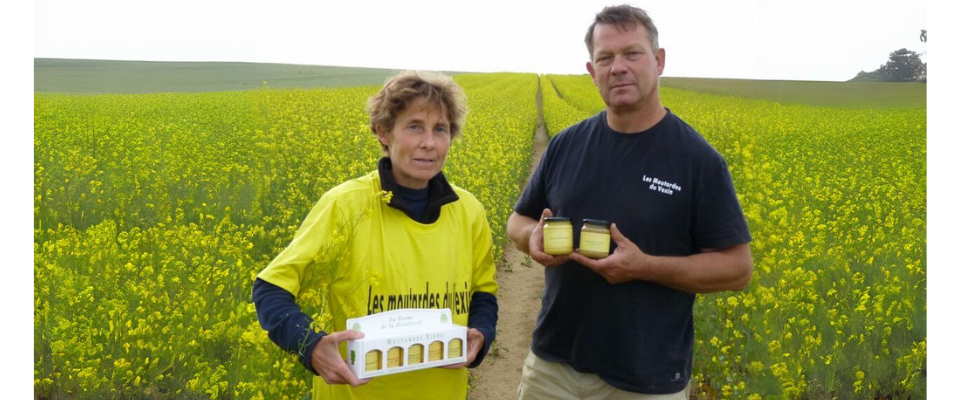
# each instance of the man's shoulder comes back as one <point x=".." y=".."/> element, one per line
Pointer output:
<point x="687" y="137"/>
<point x="572" y="133"/>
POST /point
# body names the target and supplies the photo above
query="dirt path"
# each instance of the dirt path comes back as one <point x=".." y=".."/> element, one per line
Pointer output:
<point x="521" y="283"/>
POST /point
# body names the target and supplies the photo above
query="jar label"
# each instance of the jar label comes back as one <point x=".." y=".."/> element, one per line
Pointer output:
<point x="455" y="348"/>
<point x="374" y="362"/>
<point x="436" y="351"/>
<point x="393" y="357"/>
<point x="416" y="355"/>
<point x="558" y="240"/>
<point x="595" y="242"/>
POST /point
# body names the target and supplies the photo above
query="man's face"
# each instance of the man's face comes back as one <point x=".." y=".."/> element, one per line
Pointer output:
<point x="418" y="144"/>
<point x="624" y="67"/>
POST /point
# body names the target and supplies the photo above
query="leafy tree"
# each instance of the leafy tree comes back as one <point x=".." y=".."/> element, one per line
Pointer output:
<point x="903" y="66"/>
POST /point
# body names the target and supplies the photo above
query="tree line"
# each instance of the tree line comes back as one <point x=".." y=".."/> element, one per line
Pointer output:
<point x="902" y="66"/>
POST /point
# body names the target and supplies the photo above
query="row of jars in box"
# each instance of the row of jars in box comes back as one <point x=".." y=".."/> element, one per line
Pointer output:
<point x="374" y="358"/>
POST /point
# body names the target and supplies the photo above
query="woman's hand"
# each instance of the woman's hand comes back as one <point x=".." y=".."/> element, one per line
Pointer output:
<point x="326" y="360"/>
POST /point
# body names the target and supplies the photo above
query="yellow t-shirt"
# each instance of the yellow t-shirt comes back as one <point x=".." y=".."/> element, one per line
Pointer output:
<point x="391" y="262"/>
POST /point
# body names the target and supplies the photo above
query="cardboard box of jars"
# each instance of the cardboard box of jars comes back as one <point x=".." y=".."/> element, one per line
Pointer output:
<point x="405" y="340"/>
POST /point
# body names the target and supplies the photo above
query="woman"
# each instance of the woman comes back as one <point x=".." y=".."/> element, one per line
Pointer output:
<point x="428" y="242"/>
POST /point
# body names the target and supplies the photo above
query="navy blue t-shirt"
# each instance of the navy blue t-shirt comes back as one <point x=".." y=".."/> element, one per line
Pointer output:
<point x="671" y="194"/>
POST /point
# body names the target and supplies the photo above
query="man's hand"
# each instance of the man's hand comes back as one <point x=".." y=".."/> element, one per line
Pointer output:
<point x="627" y="262"/>
<point x="327" y="362"/>
<point x="713" y="270"/>
<point x="536" y="244"/>
<point x="475" y="341"/>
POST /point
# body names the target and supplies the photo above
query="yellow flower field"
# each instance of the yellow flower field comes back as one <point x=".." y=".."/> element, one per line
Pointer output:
<point x="557" y="112"/>
<point x="154" y="212"/>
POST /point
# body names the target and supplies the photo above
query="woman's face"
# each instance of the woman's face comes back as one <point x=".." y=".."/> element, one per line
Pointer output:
<point x="417" y="144"/>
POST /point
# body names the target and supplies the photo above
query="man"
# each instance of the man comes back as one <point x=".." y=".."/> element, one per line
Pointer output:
<point x="622" y="326"/>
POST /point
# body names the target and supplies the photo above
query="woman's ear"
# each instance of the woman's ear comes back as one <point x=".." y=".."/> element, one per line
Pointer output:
<point x="383" y="134"/>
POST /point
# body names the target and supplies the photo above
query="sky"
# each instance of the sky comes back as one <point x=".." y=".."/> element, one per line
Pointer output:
<point x="794" y="40"/>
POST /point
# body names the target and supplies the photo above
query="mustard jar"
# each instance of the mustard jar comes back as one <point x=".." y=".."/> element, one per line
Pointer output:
<point x="595" y="238"/>
<point x="557" y="236"/>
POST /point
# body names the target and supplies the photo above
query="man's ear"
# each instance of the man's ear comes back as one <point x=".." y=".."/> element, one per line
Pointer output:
<point x="661" y="60"/>
<point x="593" y="74"/>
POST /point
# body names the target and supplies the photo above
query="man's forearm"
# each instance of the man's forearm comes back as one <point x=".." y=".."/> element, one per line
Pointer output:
<point x="519" y="229"/>
<point x="711" y="271"/>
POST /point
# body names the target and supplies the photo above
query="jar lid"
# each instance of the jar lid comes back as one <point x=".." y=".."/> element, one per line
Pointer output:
<point x="600" y="222"/>
<point x="556" y="219"/>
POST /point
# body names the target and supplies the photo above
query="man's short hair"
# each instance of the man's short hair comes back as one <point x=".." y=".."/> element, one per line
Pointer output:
<point x="624" y="17"/>
<point x="400" y="91"/>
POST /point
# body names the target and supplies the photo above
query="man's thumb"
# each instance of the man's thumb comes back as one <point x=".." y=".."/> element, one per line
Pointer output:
<point x="546" y="213"/>
<point x="616" y="235"/>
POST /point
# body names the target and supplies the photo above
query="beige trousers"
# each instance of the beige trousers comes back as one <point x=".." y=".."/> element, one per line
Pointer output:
<point x="544" y="380"/>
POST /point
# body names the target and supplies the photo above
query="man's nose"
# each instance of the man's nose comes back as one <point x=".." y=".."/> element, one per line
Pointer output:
<point x="619" y="65"/>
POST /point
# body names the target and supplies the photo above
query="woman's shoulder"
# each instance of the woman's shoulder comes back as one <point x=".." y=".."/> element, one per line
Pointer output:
<point x="467" y="199"/>
<point x="353" y="190"/>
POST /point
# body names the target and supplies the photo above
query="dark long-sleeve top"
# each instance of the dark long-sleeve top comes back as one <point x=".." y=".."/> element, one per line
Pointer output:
<point x="289" y="327"/>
